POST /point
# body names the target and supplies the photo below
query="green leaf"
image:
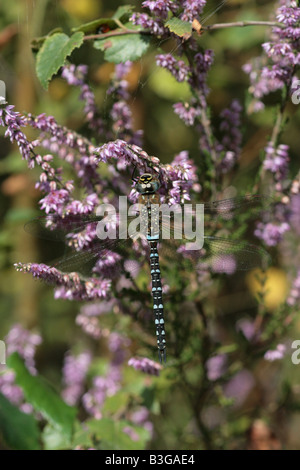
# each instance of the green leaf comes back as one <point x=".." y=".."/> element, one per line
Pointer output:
<point x="19" y="430"/>
<point x="179" y="27"/>
<point x="122" y="48"/>
<point x="92" y="26"/>
<point x="122" y="11"/>
<point x="82" y="436"/>
<point x="116" y="402"/>
<point x="42" y="397"/>
<point x="112" y="437"/>
<point x="54" y="439"/>
<point x="53" y="54"/>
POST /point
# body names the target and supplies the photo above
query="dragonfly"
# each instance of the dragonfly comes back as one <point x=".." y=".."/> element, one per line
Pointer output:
<point x="218" y="254"/>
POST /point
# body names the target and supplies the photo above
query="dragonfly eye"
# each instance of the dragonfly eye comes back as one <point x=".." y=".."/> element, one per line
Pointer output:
<point x="147" y="184"/>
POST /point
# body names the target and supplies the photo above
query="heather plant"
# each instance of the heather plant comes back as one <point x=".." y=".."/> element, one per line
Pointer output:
<point x="112" y="392"/>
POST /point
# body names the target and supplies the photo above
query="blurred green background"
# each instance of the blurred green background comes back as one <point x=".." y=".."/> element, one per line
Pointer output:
<point x="153" y="92"/>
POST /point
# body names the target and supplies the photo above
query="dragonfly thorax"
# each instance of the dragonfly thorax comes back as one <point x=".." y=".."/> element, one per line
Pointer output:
<point x="147" y="184"/>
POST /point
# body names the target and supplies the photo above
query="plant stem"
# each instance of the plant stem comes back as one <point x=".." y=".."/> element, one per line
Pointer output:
<point x="242" y="24"/>
<point x="117" y="32"/>
<point x="124" y="30"/>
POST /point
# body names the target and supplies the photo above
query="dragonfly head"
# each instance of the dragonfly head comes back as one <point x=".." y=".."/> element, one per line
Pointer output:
<point x="147" y="184"/>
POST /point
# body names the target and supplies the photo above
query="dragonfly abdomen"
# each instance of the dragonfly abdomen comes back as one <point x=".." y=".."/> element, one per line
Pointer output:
<point x="158" y="307"/>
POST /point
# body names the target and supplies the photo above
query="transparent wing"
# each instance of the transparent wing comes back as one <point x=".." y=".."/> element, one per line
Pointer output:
<point x="227" y="255"/>
<point x="57" y="228"/>
<point x="219" y="255"/>
<point x="224" y="206"/>
<point x="107" y="254"/>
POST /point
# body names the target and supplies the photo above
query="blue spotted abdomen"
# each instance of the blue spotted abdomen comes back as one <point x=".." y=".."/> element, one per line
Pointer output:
<point x="158" y="307"/>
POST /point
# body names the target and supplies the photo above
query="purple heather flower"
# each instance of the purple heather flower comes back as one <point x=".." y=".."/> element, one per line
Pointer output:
<point x="119" y="150"/>
<point x="83" y="239"/>
<point x="9" y="389"/>
<point x="97" y="309"/>
<point x="276" y="68"/>
<point x="23" y="342"/>
<point x="131" y="433"/>
<point x="294" y="295"/>
<point x="248" y="328"/>
<point x="121" y="116"/>
<point x="232" y="136"/>
<point x="216" y="366"/>
<point x="108" y="264"/>
<point x="68" y="145"/>
<point x="182" y="173"/>
<point x="70" y="286"/>
<point x="270" y="233"/>
<point x="202" y="63"/>
<point x="140" y="417"/>
<point x="90" y="325"/>
<point x="160" y="8"/>
<point x="85" y="206"/>
<point x="122" y="70"/>
<point x="55" y="201"/>
<point x="224" y="264"/>
<point x="278" y="353"/>
<point x="295" y="213"/>
<point x="277" y="160"/>
<point x="76" y="76"/>
<point x="118" y="345"/>
<point x="103" y="386"/>
<point x="192" y="9"/>
<point x="13" y="121"/>
<point x="178" y="68"/>
<point x="187" y="112"/>
<point x="75" y="369"/>
<point x="155" y="26"/>
<point x="239" y="387"/>
<point x="145" y="365"/>
<point x="134" y="155"/>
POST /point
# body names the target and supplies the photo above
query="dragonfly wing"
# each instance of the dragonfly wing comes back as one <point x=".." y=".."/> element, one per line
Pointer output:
<point x="225" y="206"/>
<point x="219" y="255"/>
<point x="100" y="254"/>
<point x="217" y="208"/>
<point x="56" y="228"/>
<point x="228" y="256"/>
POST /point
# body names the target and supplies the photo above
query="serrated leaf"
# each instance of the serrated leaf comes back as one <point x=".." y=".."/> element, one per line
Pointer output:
<point x="92" y="26"/>
<point x="179" y="27"/>
<point x="42" y="397"/>
<point x="122" y="11"/>
<point x="19" y="430"/>
<point x="122" y="48"/>
<point x="53" y="54"/>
